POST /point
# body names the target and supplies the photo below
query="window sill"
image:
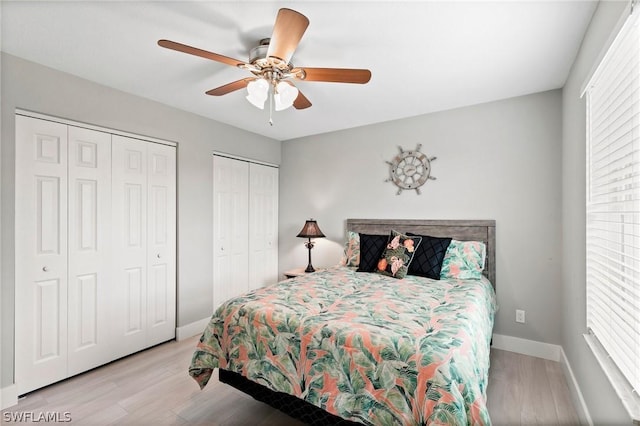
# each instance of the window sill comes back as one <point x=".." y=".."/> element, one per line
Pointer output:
<point x="630" y="399"/>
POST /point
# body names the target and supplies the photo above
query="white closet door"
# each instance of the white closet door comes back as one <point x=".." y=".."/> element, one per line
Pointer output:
<point x="263" y="225"/>
<point x="129" y="202"/>
<point x="230" y="228"/>
<point x="161" y="244"/>
<point x="95" y="259"/>
<point x="90" y="307"/>
<point x="41" y="253"/>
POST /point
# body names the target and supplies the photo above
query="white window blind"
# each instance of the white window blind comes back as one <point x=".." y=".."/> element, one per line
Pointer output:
<point x="613" y="202"/>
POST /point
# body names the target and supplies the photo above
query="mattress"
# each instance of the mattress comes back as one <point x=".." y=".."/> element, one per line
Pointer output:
<point x="362" y="346"/>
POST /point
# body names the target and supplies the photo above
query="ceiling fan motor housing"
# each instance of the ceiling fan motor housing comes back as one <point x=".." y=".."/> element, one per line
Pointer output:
<point x="258" y="57"/>
<point x="260" y="51"/>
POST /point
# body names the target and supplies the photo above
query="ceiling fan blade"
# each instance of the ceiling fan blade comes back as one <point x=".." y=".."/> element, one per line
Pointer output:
<point x="199" y="52"/>
<point x="301" y="101"/>
<point x="287" y="32"/>
<point x="333" y="75"/>
<point x="230" y="87"/>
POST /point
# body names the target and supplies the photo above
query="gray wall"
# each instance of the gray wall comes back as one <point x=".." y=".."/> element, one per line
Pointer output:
<point x="499" y="160"/>
<point x="604" y="406"/>
<point x="33" y="87"/>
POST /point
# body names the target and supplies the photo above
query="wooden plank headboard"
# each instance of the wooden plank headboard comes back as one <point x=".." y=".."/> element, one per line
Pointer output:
<point x="461" y="230"/>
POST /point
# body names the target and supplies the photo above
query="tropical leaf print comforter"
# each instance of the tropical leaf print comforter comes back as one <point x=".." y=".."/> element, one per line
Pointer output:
<point x="363" y="346"/>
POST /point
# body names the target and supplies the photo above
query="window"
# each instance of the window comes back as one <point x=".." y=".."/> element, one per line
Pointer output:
<point x="613" y="205"/>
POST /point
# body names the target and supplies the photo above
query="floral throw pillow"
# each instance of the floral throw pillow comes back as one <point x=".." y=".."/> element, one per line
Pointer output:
<point x="351" y="255"/>
<point x="464" y="260"/>
<point x="397" y="256"/>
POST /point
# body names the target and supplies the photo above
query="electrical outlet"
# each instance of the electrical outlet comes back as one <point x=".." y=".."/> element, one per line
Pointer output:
<point x="520" y="316"/>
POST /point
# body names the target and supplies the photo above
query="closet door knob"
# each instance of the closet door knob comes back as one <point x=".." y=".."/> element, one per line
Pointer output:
<point x="45" y="269"/>
<point x="158" y="256"/>
<point x="221" y="248"/>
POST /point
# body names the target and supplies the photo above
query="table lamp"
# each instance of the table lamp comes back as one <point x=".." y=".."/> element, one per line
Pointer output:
<point x="310" y="230"/>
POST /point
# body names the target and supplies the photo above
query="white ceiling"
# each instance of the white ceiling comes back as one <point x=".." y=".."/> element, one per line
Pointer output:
<point x="424" y="56"/>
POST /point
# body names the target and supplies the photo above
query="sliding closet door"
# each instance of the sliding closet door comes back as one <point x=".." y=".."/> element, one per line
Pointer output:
<point x="161" y="244"/>
<point x="263" y="225"/>
<point x="230" y="228"/>
<point x="41" y="253"/>
<point x="129" y="202"/>
<point x="90" y="303"/>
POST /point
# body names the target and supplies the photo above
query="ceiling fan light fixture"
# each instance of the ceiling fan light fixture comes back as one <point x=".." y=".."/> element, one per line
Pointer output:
<point x="285" y="95"/>
<point x="257" y="92"/>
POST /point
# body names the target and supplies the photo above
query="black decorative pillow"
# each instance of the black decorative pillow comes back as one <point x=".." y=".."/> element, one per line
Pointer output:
<point x="397" y="256"/>
<point x="427" y="261"/>
<point x="371" y="248"/>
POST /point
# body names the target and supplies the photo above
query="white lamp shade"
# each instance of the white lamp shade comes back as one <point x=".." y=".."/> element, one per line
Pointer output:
<point x="258" y="91"/>
<point x="285" y="95"/>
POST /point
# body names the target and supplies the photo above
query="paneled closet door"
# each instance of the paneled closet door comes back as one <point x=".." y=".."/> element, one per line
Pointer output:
<point x="90" y="306"/>
<point x="263" y="225"/>
<point x="129" y="203"/>
<point x="41" y="253"/>
<point x="161" y="244"/>
<point x="230" y="228"/>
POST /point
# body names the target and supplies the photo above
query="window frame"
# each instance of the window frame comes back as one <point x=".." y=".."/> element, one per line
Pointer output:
<point x="621" y="384"/>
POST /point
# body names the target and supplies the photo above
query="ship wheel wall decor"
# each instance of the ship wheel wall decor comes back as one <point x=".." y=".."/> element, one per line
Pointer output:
<point x="410" y="169"/>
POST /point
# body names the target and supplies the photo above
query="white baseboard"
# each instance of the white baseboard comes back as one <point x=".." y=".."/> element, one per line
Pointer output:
<point x="192" y="329"/>
<point x="576" y="394"/>
<point x="527" y="347"/>
<point x="9" y="396"/>
<point x="552" y="353"/>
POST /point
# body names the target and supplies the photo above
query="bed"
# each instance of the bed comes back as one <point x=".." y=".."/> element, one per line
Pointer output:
<point x="345" y="347"/>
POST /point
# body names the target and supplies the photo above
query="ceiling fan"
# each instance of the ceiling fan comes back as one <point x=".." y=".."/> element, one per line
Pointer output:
<point x="270" y="64"/>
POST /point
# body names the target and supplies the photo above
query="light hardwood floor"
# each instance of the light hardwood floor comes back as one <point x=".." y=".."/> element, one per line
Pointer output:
<point x="153" y="388"/>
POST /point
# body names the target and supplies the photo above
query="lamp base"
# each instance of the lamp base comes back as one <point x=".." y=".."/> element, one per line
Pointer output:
<point x="309" y="244"/>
